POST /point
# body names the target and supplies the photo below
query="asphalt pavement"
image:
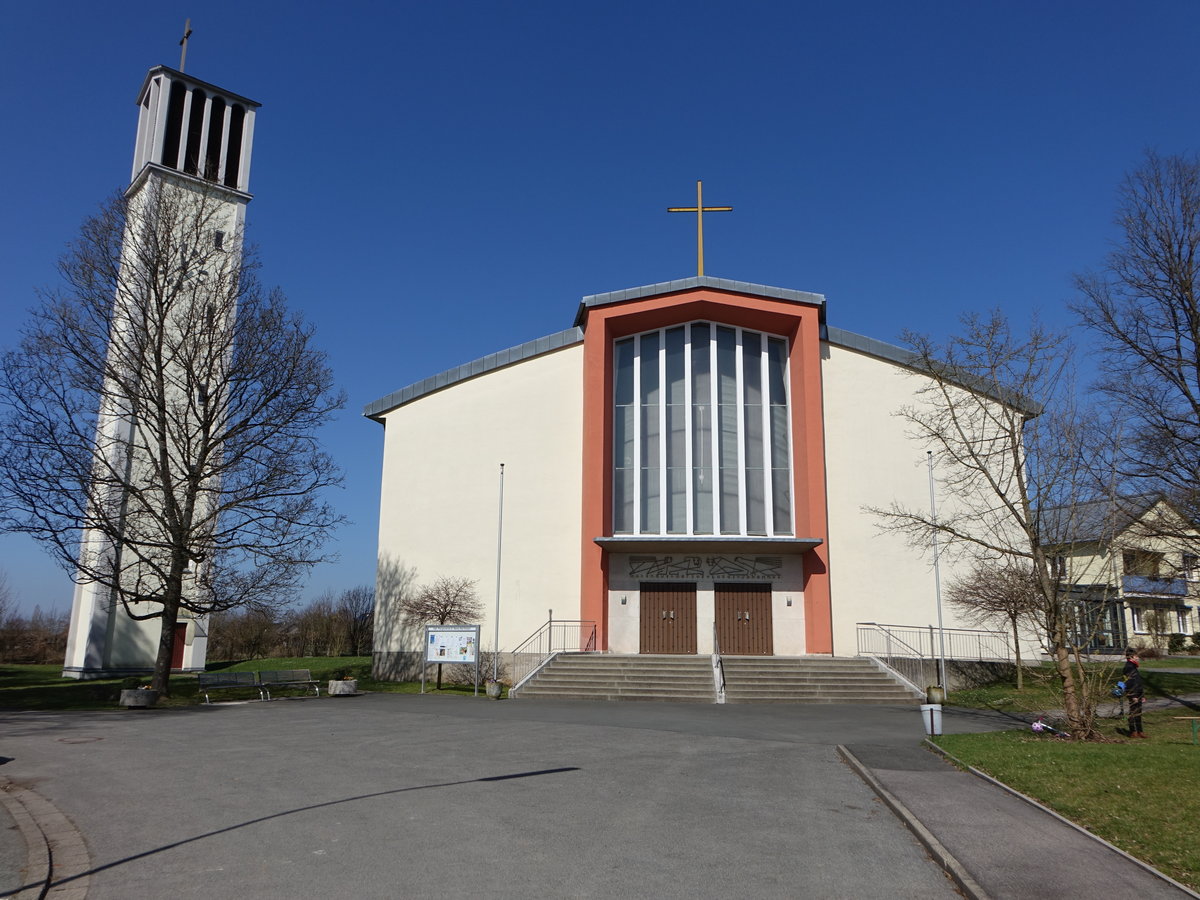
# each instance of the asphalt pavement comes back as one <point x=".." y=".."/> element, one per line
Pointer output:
<point x="388" y="795"/>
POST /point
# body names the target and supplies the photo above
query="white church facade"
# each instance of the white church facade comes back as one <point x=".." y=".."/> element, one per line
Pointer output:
<point x="689" y="465"/>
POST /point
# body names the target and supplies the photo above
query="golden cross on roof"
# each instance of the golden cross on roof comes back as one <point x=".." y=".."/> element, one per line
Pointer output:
<point x="699" y="209"/>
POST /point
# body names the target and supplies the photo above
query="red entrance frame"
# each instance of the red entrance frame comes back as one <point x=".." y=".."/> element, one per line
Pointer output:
<point x="797" y="321"/>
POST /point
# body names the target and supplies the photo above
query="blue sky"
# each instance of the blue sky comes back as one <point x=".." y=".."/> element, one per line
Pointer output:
<point x="437" y="181"/>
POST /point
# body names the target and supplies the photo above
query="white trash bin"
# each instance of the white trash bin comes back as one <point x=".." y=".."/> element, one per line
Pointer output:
<point x="931" y="715"/>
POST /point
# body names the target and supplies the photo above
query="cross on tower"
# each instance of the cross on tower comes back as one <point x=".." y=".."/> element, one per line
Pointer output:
<point x="187" y="33"/>
<point x="699" y="209"/>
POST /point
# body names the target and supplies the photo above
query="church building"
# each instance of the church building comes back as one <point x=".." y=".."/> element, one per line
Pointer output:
<point x="687" y="466"/>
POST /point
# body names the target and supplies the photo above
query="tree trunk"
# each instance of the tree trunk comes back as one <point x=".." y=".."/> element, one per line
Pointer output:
<point x="1017" y="651"/>
<point x="166" y="650"/>
<point x="1079" y="728"/>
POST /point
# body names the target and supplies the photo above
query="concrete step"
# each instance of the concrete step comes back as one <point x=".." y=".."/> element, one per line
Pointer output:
<point x="749" y="679"/>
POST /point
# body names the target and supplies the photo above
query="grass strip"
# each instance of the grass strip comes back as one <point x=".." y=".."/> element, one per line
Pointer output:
<point x="30" y="687"/>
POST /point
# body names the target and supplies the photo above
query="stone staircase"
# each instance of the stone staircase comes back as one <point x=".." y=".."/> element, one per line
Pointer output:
<point x="608" y="676"/>
<point x="748" y="679"/>
<point x="813" y="679"/>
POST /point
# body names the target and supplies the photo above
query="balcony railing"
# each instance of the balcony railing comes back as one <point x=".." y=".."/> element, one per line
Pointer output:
<point x="1152" y="586"/>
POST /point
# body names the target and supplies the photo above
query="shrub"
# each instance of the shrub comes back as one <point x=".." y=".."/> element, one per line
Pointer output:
<point x="1175" y="643"/>
<point x="1196" y="640"/>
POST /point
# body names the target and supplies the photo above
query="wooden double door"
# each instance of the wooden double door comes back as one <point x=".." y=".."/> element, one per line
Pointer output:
<point x="743" y="617"/>
<point x="742" y="611"/>
<point x="668" y="617"/>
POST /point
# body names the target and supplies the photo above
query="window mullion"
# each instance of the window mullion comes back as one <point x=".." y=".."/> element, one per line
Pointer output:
<point x="714" y="429"/>
<point x="740" y="422"/>
<point x="791" y="452"/>
<point x="664" y="499"/>
<point x="689" y="501"/>
<point x="768" y="454"/>
<point x="637" y="436"/>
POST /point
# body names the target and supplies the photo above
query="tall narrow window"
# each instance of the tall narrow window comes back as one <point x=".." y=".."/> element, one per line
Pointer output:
<point x="624" y="480"/>
<point x="781" y="450"/>
<point x="727" y="427"/>
<point x="752" y="415"/>
<point x="650" y="397"/>
<point x="676" y="450"/>
<point x="702" y="431"/>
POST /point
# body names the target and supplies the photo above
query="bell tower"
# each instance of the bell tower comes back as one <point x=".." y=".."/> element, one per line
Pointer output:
<point x="192" y="138"/>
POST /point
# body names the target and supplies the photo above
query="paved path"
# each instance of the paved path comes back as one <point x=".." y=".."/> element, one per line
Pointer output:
<point x="398" y="795"/>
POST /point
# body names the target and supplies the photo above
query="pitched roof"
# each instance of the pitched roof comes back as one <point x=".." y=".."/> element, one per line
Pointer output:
<point x="1094" y="521"/>
<point x="836" y="336"/>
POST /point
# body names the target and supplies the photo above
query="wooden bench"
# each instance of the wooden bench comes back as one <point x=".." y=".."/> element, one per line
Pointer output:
<point x="212" y="681"/>
<point x="287" y="678"/>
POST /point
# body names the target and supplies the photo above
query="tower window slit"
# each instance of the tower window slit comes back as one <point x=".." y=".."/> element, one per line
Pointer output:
<point x="174" y="128"/>
<point x="216" y="129"/>
<point x="191" y="155"/>
<point x="233" y="156"/>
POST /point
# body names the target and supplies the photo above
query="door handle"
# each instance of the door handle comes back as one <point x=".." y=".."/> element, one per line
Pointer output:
<point x="672" y="615"/>
<point x="664" y="614"/>
<point x="747" y="615"/>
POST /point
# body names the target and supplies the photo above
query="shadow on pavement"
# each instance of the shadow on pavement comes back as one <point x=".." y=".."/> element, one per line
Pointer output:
<point x="300" y="809"/>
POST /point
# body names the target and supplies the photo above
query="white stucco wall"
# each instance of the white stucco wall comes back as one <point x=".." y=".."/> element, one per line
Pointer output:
<point x="870" y="461"/>
<point x="439" y="499"/>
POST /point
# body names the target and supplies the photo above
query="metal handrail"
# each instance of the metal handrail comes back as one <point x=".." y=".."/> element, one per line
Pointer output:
<point x="908" y="650"/>
<point x="919" y="641"/>
<point x="718" y="668"/>
<point x="554" y="637"/>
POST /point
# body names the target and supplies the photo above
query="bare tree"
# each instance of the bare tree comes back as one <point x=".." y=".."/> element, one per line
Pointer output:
<point x="6" y="598"/>
<point x="1158" y="623"/>
<point x="999" y="593"/>
<point x="1144" y="306"/>
<point x="246" y="633"/>
<point x="160" y="412"/>
<point x="448" y="601"/>
<point x="355" y="611"/>
<point x="996" y="410"/>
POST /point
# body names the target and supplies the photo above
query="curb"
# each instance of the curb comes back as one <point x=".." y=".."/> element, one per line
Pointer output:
<point x="57" y="852"/>
<point x="951" y="866"/>
<point x="1079" y="828"/>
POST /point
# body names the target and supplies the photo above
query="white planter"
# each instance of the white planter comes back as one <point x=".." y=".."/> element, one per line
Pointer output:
<point x="138" y="699"/>
<point x="343" y="688"/>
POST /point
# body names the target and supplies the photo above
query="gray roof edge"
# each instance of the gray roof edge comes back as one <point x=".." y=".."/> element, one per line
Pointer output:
<point x="537" y="347"/>
<point x="197" y="82"/>
<point x="696" y="281"/>
<point x="863" y="344"/>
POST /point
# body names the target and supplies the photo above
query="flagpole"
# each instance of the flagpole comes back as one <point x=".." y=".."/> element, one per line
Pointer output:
<point x="499" y="546"/>
<point x="937" y="577"/>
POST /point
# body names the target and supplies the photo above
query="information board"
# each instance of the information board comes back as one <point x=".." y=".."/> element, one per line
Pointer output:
<point x="446" y="644"/>
<point x="451" y="643"/>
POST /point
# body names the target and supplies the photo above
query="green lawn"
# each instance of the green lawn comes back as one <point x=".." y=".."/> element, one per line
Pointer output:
<point x="1135" y="794"/>
<point x="43" y="687"/>
<point x="1041" y="688"/>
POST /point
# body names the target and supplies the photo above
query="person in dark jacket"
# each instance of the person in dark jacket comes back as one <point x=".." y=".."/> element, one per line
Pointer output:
<point x="1135" y="690"/>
